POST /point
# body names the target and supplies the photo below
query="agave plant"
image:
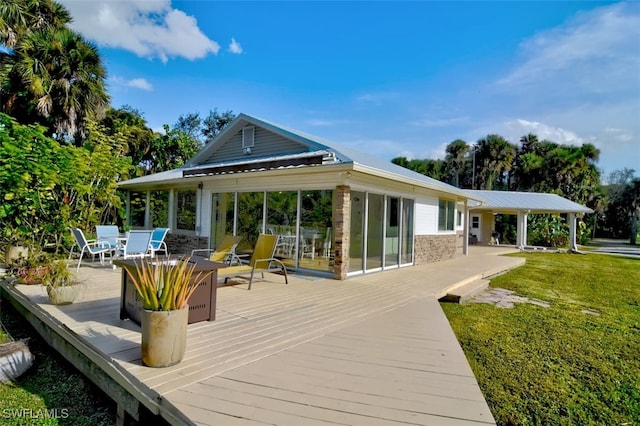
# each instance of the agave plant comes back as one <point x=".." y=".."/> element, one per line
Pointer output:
<point x="165" y="285"/>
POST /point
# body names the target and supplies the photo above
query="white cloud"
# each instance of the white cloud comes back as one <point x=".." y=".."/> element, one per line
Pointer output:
<point x="376" y="99"/>
<point x="235" y="47"/>
<point x="543" y="131"/>
<point x="595" y="51"/>
<point x="146" y="28"/>
<point x="136" y="83"/>
<point x="442" y="122"/>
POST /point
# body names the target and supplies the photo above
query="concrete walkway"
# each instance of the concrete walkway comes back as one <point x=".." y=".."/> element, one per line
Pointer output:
<point x="615" y="247"/>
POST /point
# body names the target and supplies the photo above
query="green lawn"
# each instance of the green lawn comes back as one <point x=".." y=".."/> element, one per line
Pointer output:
<point x="559" y="365"/>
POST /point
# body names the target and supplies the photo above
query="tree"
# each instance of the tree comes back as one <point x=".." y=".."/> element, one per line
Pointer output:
<point x="455" y="159"/>
<point x="621" y="212"/>
<point x="432" y="168"/>
<point x="45" y="186"/>
<point x="18" y="17"/>
<point x="216" y="123"/>
<point x="52" y="75"/>
<point x="130" y="124"/>
<point x="494" y="160"/>
<point x="204" y="130"/>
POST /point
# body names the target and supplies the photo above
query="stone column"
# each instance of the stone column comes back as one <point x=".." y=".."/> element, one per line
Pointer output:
<point x="342" y="225"/>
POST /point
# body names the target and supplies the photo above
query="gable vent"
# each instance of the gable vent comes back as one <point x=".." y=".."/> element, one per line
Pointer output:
<point x="248" y="136"/>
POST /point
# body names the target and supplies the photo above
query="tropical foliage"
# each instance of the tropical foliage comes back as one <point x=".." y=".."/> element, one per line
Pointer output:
<point x="48" y="186"/>
<point x="493" y="163"/>
<point x="622" y="206"/>
<point x="48" y="73"/>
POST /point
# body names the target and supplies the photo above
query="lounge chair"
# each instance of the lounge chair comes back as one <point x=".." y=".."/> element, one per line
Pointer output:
<point x="157" y="240"/>
<point x="262" y="261"/>
<point x="107" y="235"/>
<point x="92" y="247"/>
<point x="224" y="252"/>
<point x="138" y="245"/>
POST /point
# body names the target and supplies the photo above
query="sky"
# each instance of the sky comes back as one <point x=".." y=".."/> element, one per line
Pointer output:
<point x="390" y="78"/>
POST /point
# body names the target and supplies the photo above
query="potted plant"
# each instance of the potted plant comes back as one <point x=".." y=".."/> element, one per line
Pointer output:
<point x="30" y="266"/>
<point x="164" y="288"/>
<point x="62" y="286"/>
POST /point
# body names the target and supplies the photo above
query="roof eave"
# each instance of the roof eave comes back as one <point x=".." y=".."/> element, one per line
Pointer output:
<point x="417" y="182"/>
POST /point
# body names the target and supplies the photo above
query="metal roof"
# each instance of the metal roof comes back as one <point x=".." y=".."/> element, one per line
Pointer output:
<point x="533" y="202"/>
<point x="361" y="161"/>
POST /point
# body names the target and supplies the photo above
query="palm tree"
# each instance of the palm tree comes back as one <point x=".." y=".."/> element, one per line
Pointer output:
<point x="456" y="156"/>
<point x="495" y="160"/>
<point x="58" y="76"/>
<point x="18" y="17"/>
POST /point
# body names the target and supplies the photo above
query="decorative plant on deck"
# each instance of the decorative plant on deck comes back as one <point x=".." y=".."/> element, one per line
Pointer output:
<point x="164" y="285"/>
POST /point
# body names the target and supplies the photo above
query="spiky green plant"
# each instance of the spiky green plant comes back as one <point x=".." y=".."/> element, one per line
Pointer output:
<point x="165" y="285"/>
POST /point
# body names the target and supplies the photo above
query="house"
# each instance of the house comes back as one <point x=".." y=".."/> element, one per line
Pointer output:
<point x="338" y="211"/>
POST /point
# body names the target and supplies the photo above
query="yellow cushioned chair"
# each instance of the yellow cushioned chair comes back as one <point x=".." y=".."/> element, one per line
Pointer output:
<point x="262" y="261"/>
<point x="225" y="252"/>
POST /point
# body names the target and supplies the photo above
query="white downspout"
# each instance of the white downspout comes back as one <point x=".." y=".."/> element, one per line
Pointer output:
<point x="465" y="243"/>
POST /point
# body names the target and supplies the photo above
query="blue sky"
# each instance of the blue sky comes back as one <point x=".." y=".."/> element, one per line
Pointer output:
<point x="391" y="78"/>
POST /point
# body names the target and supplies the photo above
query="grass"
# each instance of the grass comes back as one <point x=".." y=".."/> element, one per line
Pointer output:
<point x="51" y="386"/>
<point x="559" y="365"/>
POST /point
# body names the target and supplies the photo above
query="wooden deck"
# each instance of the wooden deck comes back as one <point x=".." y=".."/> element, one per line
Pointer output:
<point x="374" y="349"/>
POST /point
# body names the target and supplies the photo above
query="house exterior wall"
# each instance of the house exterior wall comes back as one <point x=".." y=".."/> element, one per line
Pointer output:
<point x="434" y="248"/>
<point x="426" y="210"/>
<point x="488" y="225"/>
<point x="265" y="144"/>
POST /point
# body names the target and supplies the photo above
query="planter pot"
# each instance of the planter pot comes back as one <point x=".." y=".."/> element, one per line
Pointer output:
<point x="164" y="337"/>
<point x="14" y="253"/>
<point x="63" y="295"/>
<point x="32" y="275"/>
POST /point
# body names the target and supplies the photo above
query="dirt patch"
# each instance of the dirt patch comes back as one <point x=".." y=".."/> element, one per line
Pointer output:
<point x="504" y="298"/>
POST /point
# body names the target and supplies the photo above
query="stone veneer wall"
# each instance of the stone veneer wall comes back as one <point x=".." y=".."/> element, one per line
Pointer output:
<point x="342" y="225"/>
<point x="183" y="244"/>
<point x="459" y="241"/>
<point x="434" y="248"/>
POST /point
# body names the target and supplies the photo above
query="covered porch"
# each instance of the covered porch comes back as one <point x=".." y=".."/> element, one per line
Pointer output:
<point x="520" y="204"/>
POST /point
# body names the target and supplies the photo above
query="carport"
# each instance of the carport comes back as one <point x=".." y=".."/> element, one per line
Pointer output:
<point x="521" y="204"/>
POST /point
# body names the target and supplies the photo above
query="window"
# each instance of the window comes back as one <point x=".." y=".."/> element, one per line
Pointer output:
<point x="137" y="207"/>
<point x="159" y="209"/>
<point x="475" y="222"/>
<point x="459" y="219"/>
<point x="446" y="211"/>
<point x="186" y="210"/>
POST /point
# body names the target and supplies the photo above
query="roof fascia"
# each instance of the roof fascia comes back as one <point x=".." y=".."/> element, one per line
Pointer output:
<point x="459" y="193"/>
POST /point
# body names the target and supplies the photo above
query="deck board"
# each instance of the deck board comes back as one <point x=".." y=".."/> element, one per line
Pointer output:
<point x="374" y="349"/>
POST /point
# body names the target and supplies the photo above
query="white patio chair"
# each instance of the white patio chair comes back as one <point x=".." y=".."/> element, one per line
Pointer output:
<point x="138" y="245"/>
<point x="107" y="235"/>
<point x="92" y="247"/>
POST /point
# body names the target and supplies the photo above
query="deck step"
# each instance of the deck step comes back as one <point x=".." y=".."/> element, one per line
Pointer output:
<point x="465" y="292"/>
